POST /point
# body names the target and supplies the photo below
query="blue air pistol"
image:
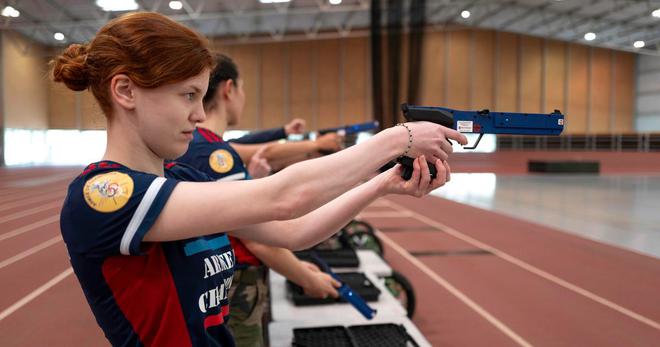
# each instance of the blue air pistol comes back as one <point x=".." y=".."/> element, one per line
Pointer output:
<point x="350" y="129"/>
<point x="345" y="291"/>
<point x="481" y="122"/>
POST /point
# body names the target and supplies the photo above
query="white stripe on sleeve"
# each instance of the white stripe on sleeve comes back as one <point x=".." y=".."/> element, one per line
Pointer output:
<point x="139" y="214"/>
<point x="235" y="177"/>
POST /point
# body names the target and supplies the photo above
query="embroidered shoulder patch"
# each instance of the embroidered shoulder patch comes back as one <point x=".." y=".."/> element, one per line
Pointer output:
<point x="108" y="192"/>
<point x="221" y="161"/>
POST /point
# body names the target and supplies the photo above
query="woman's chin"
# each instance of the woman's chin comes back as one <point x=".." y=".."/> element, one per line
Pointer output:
<point x="174" y="153"/>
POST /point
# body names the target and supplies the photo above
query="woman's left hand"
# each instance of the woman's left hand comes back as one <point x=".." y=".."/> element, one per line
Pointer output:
<point x="258" y="166"/>
<point x="420" y="183"/>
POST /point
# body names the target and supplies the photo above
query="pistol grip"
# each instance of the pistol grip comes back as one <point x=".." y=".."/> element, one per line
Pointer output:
<point x="407" y="166"/>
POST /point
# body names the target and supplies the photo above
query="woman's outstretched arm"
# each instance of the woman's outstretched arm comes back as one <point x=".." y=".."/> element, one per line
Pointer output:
<point x="195" y="209"/>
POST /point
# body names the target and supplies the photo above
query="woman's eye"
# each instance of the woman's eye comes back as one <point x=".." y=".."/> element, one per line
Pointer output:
<point x="190" y="96"/>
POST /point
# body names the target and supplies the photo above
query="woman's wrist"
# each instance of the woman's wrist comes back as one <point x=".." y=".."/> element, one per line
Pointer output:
<point x="381" y="185"/>
<point x="397" y="140"/>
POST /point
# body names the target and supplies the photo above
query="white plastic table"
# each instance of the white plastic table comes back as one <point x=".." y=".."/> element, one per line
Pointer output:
<point x="283" y="309"/>
<point x="281" y="333"/>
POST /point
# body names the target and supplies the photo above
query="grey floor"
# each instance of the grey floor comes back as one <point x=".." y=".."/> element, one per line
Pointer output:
<point x="617" y="210"/>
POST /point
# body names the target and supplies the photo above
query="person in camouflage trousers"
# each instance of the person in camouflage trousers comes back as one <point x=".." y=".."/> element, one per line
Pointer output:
<point x="248" y="297"/>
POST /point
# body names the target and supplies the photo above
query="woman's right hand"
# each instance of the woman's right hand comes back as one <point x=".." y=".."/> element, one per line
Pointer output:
<point x="330" y="142"/>
<point x="321" y="285"/>
<point x="431" y="140"/>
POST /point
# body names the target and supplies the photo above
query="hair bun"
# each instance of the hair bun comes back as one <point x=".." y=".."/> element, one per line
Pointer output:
<point x="70" y="67"/>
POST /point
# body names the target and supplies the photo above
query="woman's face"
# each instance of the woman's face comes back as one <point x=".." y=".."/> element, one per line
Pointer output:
<point x="167" y="115"/>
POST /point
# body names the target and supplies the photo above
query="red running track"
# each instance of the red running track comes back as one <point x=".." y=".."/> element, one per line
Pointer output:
<point x="482" y="279"/>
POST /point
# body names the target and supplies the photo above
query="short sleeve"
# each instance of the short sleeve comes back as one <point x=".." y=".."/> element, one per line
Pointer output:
<point x="218" y="160"/>
<point x="109" y="213"/>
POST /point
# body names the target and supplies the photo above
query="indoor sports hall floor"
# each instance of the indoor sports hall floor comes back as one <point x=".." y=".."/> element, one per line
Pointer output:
<point x="497" y="257"/>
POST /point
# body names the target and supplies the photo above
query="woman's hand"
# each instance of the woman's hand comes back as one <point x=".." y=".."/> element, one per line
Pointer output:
<point x="321" y="285"/>
<point x="258" y="166"/>
<point x="431" y="140"/>
<point x="420" y="183"/>
<point x="329" y="143"/>
<point x="296" y="126"/>
<point x="311" y="266"/>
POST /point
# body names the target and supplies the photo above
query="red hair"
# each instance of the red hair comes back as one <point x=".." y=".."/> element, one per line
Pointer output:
<point x="150" y="48"/>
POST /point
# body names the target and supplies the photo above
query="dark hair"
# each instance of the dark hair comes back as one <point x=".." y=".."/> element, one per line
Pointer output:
<point x="225" y="70"/>
<point x="150" y="48"/>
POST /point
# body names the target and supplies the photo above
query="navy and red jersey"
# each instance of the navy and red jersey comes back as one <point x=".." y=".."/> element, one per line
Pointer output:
<point x="208" y="153"/>
<point x="145" y="293"/>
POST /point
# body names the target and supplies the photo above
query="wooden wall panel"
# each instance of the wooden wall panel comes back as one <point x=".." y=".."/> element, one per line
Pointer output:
<point x="25" y="81"/>
<point x="62" y="107"/>
<point x="531" y="70"/>
<point x="274" y="85"/>
<point x="247" y="57"/>
<point x="601" y="88"/>
<point x="554" y="90"/>
<point x="506" y="79"/>
<point x="624" y="92"/>
<point x="483" y="70"/>
<point x="458" y="69"/>
<point x="328" y="82"/>
<point x="329" y="75"/>
<point x="302" y="85"/>
<point x="578" y="72"/>
<point x="403" y="81"/>
<point x="355" y="81"/>
<point x="432" y="86"/>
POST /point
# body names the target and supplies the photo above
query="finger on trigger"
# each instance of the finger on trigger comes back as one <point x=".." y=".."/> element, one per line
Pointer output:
<point x="414" y="180"/>
<point x="441" y="174"/>
<point x="425" y="174"/>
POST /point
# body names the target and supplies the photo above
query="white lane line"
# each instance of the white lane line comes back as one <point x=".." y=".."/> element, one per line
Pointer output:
<point x="26" y="299"/>
<point x="454" y="291"/>
<point x="37" y="181"/>
<point x="22" y="194"/>
<point x="30" y="227"/>
<point x="541" y="273"/>
<point x="379" y="203"/>
<point x="30" y="251"/>
<point x="28" y="212"/>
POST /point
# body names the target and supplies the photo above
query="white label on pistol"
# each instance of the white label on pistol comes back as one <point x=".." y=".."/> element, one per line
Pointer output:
<point x="464" y="126"/>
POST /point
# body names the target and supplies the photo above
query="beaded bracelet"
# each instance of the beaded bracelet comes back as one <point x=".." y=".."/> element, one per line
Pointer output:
<point x="410" y="139"/>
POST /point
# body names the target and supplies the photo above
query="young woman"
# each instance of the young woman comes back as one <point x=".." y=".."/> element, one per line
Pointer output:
<point x="147" y="241"/>
<point x="248" y="295"/>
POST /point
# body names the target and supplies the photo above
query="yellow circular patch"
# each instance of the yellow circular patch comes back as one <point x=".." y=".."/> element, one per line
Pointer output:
<point x="108" y="192"/>
<point x="221" y="161"/>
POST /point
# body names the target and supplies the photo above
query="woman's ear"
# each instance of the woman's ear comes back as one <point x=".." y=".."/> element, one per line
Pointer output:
<point x="122" y="91"/>
<point x="227" y="89"/>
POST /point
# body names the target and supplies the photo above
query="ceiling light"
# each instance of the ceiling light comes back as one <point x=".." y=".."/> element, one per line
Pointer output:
<point x="656" y="13"/>
<point x="465" y="14"/>
<point x="589" y="36"/>
<point x="273" y="1"/>
<point x="176" y="5"/>
<point x="9" y="11"/>
<point x="58" y="36"/>
<point x="334" y="2"/>
<point x="639" y="44"/>
<point x="117" y="5"/>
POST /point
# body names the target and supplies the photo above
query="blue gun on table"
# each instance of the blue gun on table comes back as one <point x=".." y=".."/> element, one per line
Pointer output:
<point x="345" y="291"/>
<point x="481" y="122"/>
